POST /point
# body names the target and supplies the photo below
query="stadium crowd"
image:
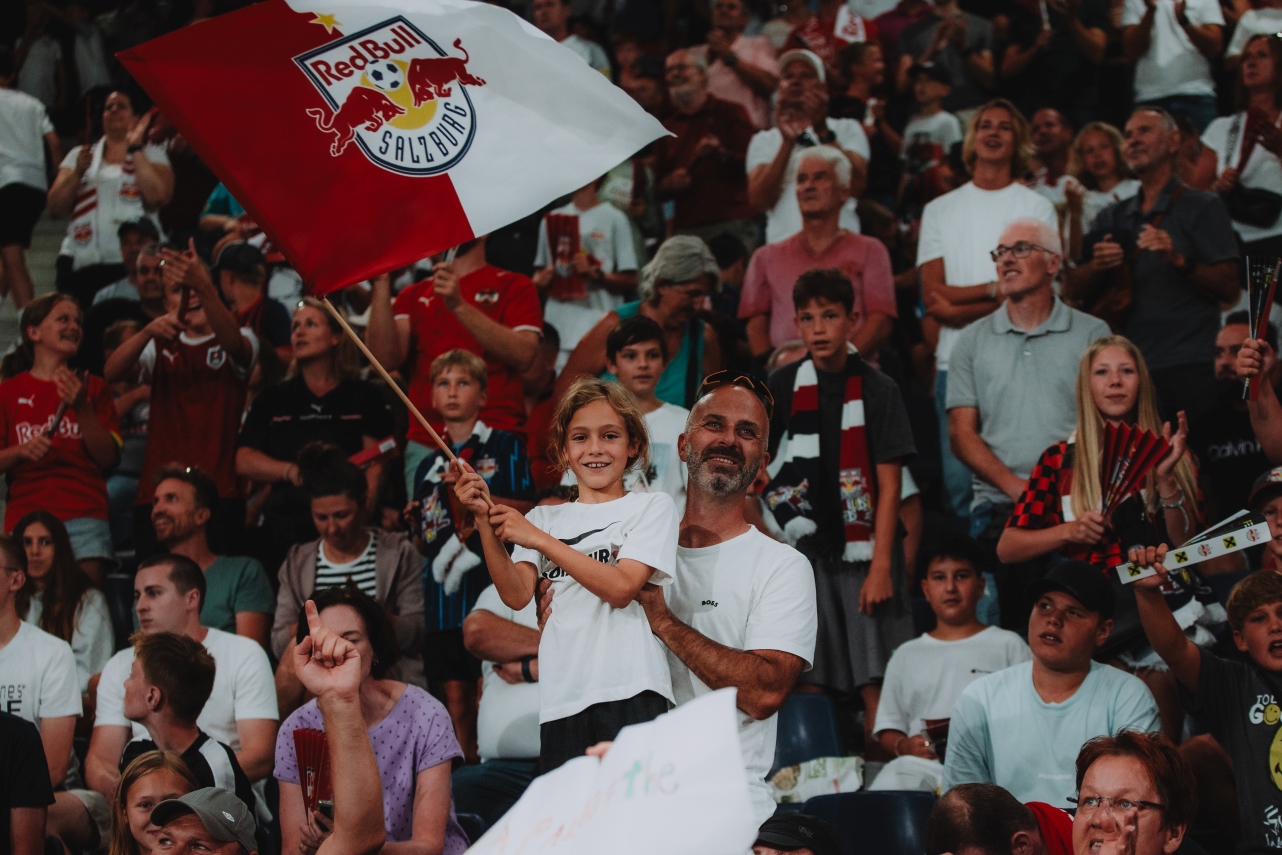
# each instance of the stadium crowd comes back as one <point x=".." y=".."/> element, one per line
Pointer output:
<point x="811" y="398"/>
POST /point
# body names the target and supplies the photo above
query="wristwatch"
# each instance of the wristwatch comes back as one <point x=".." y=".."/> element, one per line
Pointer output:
<point x="828" y="137"/>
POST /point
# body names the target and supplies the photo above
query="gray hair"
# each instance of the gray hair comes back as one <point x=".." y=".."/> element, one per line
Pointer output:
<point x="834" y="157"/>
<point x="1168" y="121"/>
<point x="681" y="258"/>
<point x="694" y="57"/>
<point x="1047" y="235"/>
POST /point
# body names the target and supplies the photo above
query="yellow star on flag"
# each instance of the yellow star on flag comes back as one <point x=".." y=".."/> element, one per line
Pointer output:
<point x="329" y="22"/>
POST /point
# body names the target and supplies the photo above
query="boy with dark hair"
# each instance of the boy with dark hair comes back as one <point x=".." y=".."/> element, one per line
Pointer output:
<point x="839" y="438"/>
<point x="445" y="533"/>
<point x="636" y="352"/>
<point x="1237" y="702"/>
<point x="169" y="682"/>
<point x="925" y="676"/>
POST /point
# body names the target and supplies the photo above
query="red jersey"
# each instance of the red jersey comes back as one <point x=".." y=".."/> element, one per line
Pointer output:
<point x="197" y="400"/>
<point x="505" y="297"/>
<point x="66" y="481"/>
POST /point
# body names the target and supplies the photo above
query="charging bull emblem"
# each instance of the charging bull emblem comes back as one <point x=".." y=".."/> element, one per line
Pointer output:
<point x="397" y="95"/>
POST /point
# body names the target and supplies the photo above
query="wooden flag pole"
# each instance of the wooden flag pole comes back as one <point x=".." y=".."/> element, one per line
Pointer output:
<point x="378" y="366"/>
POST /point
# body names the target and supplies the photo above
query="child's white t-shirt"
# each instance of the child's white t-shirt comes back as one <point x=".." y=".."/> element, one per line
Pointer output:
<point x="591" y="652"/>
<point x="666" y="472"/>
<point x="940" y="128"/>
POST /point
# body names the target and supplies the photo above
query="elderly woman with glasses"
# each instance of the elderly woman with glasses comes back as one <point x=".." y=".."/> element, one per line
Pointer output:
<point x="674" y="289"/>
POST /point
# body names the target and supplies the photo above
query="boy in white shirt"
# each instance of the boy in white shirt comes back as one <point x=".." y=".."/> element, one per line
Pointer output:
<point x="932" y="131"/>
<point x="636" y="352"/>
<point x="926" y="675"/>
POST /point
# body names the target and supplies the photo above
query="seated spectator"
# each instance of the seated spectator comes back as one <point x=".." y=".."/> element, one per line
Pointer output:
<point x="832" y="25"/>
<point x="503" y="328"/>
<point x="926" y="675"/>
<point x="1021" y="728"/>
<point x="453" y="569"/>
<point x="198" y="367"/>
<point x="1100" y="178"/>
<point x="583" y="288"/>
<point x="984" y="819"/>
<point x="537" y="383"/>
<point x="169" y="683"/>
<point x="553" y="18"/>
<point x="52" y="462"/>
<point x="322" y="398"/>
<point x="1232" y="699"/>
<point x="1247" y="145"/>
<point x="507" y="721"/>
<point x="1262" y="18"/>
<point x="146" y="304"/>
<point x="1053" y="54"/>
<point x="1052" y="138"/>
<point x="1173" y="48"/>
<point x="801" y="121"/>
<point x="383" y="564"/>
<point x="238" y="597"/>
<point x="742" y="69"/>
<point x="60" y="598"/>
<point x="766" y="306"/>
<point x="796" y="834"/>
<point x="202" y="820"/>
<point x="118" y="179"/>
<point x="680" y="275"/>
<point x="241" y="710"/>
<point x="26" y="795"/>
<point x="960" y="42"/>
<point x="415" y="774"/>
<point x="241" y="272"/>
<point x="146" y="782"/>
<point x="701" y="167"/>
<point x="932" y="131"/>
<point x="1136" y="793"/>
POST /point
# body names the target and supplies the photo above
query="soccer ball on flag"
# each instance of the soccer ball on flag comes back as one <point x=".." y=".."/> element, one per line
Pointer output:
<point x="385" y="75"/>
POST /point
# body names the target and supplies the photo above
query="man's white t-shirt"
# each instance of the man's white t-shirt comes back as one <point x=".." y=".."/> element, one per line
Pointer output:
<point x="591" y="52"/>
<point x="666" y="472"/>
<point x="1172" y="65"/>
<point x="1262" y="170"/>
<point x="38" y="676"/>
<point x="22" y="139"/>
<point x="925" y="676"/>
<point x="507" y="719"/>
<point x="1254" y="22"/>
<point x="749" y="593"/>
<point x="784" y="219"/>
<point x="1003" y="733"/>
<point x="941" y="128"/>
<point x="244" y="688"/>
<point x="606" y="235"/>
<point x="591" y="652"/>
<point x="963" y="227"/>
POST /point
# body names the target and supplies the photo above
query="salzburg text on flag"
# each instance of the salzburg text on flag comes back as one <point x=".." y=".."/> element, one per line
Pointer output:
<point x="363" y="136"/>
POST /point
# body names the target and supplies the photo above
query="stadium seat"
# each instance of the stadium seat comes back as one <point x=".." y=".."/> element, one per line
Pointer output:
<point x="807" y="729"/>
<point x="884" y="823"/>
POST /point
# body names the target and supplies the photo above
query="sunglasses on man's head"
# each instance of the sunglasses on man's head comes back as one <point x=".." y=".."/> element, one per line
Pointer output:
<point x="727" y="377"/>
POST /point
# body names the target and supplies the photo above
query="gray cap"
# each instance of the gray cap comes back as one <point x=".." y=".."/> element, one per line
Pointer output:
<point x="225" y="817"/>
<point x="807" y="56"/>
<point x="682" y="258"/>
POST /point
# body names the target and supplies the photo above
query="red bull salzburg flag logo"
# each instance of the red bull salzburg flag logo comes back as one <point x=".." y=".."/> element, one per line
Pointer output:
<point x="363" y="137"/>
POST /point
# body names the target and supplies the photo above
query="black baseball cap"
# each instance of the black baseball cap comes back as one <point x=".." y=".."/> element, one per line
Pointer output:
<point x="933" y="70"/>
<point x="789" y="831"/>
<point x="1265" y="488"/>
<point x="240" y="258"/>
<point x="1081" y="581"/>
<point x="225" y="817"/>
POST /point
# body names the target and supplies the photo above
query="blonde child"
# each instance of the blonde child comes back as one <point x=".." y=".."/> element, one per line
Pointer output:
<point x="600" y="667"/>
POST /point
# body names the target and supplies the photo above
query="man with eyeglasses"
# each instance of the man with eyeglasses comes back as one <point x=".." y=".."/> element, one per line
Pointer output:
<point x="1012" y="387"/>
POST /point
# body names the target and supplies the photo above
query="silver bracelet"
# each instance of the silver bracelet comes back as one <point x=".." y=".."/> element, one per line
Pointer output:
<point x="1173" y="506"/>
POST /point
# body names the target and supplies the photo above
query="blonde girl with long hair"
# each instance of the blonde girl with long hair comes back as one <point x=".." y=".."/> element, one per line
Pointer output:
<point x="149" y="780"/>
<point x="1100" y="177"/>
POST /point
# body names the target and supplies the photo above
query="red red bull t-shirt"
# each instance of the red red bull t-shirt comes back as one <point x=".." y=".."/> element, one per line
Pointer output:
<point x="507" y="298"/>
<point x="66" y="481"/>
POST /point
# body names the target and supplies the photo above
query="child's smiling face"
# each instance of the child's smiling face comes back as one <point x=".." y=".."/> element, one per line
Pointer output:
<point x="598" y="447"/>
<point x="1261" y="636"/>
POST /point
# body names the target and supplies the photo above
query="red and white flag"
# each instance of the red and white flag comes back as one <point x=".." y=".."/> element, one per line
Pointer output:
<point x="362" y="136"/>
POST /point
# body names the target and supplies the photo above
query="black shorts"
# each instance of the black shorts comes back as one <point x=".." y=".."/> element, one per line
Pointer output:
<point x="562" y="740"/>
<point x="445" y="658"/>
<point x="20" y="207"/>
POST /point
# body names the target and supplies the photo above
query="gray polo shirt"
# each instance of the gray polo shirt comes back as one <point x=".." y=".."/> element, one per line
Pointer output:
<point x="1024" y="385"/>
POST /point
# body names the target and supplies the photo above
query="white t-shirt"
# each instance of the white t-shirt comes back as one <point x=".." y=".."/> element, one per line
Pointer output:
<point x="507" y="720"/>
<point x="38" y="676"/>
<point x="22" y="139"/>
<point x="666" y="472"/>
<point x="925" y="676"/>
<point x="1094" y="201"/>
<point x="93" y="639"/>
<point x="1262" y="170"/>
<point x="116" y="199"/>
<point x="1003" y="733"/>
<point x="606" y="235"/>
<point x="90" y="56"/>
<point x="591" y="52"/>
<point x="121" y="289"/>
<point x="592" y="652"/>
<point x="784" y="219"/>
<point x="1254" y="22"/>
<point x="1172" y="65"/>
<point x="963" y="227"/>
<point x="244" y="688"/>
<point x="38" y="76"/>
<point x="750" y="593"/>
<point x="942" y="128"/>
